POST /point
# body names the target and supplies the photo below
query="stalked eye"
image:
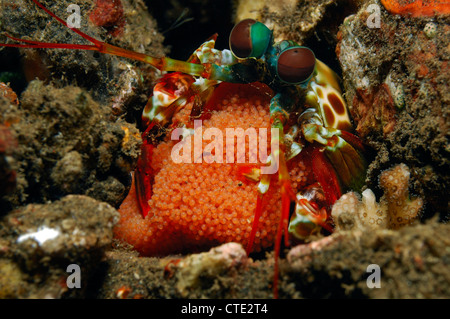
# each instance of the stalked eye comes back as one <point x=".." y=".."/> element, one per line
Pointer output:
<point x="296" y="65"/>
<point x="240" y="41"/>
<point x="249" y="38"/>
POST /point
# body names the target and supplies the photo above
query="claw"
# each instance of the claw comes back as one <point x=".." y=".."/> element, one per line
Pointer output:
<point x="144" y="178"/>
<point x="172" y="91"/>
<point x="308" y="219"/>
<point x="348" y="163"/>
<point x="342" y="149"/>
<point x="325" y="175"/>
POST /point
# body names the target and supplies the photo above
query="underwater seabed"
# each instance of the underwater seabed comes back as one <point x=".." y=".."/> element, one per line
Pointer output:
<point x="70" y="134"/>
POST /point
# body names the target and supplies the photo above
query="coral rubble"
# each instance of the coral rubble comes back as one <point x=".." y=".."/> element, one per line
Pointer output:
<point x="192" y="270"/>
<point x="395" y="209"/>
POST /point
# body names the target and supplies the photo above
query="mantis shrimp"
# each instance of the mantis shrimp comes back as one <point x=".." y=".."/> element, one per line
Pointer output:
<point x="307" y="112"/>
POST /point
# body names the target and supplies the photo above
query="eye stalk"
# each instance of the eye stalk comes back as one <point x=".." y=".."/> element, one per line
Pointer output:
<point x="249" y="38"/>
<point x="296" y="65"/>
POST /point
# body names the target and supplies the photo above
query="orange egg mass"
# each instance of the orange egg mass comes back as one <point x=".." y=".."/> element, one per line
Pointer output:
<point x="195" y="206"/>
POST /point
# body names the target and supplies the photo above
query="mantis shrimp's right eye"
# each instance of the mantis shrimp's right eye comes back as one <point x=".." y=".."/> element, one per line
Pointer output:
<point x="296" y="65"/>
<point x="249" y="38"/>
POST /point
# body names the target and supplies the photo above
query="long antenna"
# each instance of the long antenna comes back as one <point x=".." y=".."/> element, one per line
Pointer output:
<point x="163" y="64"/>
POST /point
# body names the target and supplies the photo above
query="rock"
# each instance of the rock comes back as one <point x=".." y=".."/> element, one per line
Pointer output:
<point x="65" y="132"/>
<point x="411" y="263"/>
<point x="297" y="20"/>
<point x="396" y="79"/>
<point x="193" y="271"/>
<point x="8" y="146"/>
<point x="97" y="72"/>
<point x="39" y="242"/>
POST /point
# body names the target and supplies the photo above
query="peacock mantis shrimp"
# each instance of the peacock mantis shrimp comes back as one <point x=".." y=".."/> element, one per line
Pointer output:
<point x="304" y="88"/>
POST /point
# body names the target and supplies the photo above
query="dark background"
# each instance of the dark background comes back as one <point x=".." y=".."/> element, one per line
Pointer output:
<point x="202" y="19"/>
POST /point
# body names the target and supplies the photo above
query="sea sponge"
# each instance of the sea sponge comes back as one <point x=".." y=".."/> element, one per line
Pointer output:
<point x="396" y="208"/>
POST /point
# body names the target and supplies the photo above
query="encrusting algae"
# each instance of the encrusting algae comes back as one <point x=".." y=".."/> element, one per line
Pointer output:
<point x="8" y="93"/>
<point x="417" y="8"/>
<point x="196" y="206"/>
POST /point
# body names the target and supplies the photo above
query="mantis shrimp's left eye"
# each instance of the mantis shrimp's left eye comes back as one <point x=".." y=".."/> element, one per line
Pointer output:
<point x="296" y="65"/>
<point x="249" y="38"/>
